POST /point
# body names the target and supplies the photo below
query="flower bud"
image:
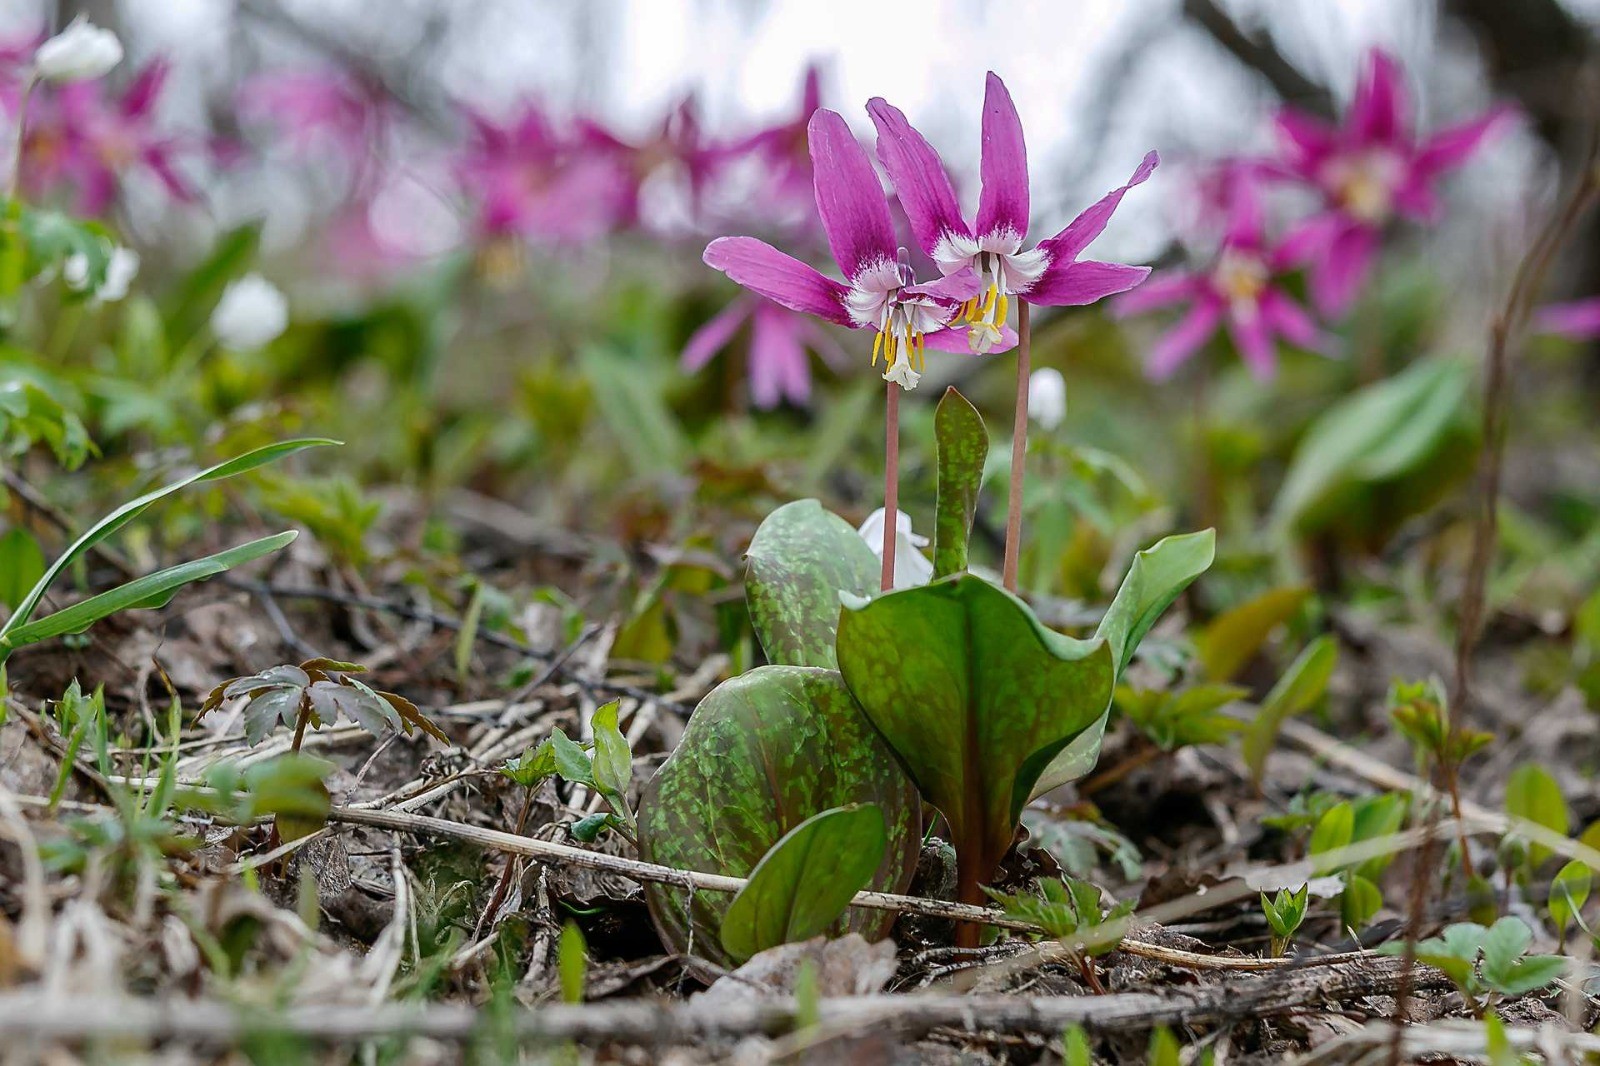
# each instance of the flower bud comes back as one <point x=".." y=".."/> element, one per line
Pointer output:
<point x="251" y="314"/>
<point x="1047" y="397"/>
<point x="78" y="53"/>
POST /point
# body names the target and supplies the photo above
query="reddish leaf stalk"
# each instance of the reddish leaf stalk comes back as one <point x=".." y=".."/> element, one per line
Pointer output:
<point x="891" y="481"/>
<point x="1019" y="448"/>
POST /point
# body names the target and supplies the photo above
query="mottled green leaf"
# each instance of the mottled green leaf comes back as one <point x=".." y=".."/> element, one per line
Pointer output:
<point x="799" y="561"/>
<point x="1158" y="575"/>
<point x="762" y="753"/>
<point x="976" y="696"/>
<point x="1300" y="686"/>
<point x="1233" y="637"/>
<point x="803" y="885"/>
<point x="963" y="445"/>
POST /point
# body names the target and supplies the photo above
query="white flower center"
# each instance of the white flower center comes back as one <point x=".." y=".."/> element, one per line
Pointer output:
<point x="877" y="299"/>
<point x="1240" y="277"/>
<point x="1364" y="183"/>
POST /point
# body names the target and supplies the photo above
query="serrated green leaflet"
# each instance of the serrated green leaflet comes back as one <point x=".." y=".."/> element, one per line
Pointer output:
<point x="976" y="696"/>
<point x="963" y="445"/>
<point x="803" y="885"/>
<point x="1157" y="576"/>
<point x="799" y="561"/>
<point x="761" y="754"/>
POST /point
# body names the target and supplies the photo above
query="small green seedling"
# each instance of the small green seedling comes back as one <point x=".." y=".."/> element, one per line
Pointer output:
<point x="1191" y="716"/>
<point x="1486" y="964"/>
<point x="1569" y="891"/>
<point x="1420" y="711"/>
<point x="1284" y="914"/>
<point x="606" y="766"/>
<point x="1071" y="911"/>
<point x="317" y="693"/>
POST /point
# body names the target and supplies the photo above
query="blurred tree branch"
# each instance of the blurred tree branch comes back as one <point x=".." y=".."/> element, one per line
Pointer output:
<point x="1534" y="50"/>
<point x="1260" y="56"/>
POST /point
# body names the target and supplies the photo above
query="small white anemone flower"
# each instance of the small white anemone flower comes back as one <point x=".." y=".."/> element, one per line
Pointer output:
<point x="1047" y="397"/>
<point x="121" y="268"/>
<point x="252" y="313"/>
<point x="78" y="53"/>
<point x="911" y="567"/>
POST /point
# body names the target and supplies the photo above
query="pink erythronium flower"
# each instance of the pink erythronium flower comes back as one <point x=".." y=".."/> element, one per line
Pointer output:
<point x="677" y="148"/>
<point x="314" y="109"/>
<point x="1049" y="273"/>
<point x="779" y="368"/>
<point x="82" y="136"/>
<point x="1238" y="288"/>
<point x="1578" y="320"/>
<point x="767" y="174"/>
<point x="880" y="293"/>
<point x="1372" y="168"/>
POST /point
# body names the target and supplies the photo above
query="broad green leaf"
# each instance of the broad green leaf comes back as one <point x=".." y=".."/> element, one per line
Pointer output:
<point x="129" y="511"/>
<point x="21" y="564"/>
<point x="1381" y="455"/>
<point x="572" y="762"/>
<point x="1158" y="575"/>
<point x="976" y="697"/>
<point x="1301" y="686"/>
<point x="196" y="295"/>
<point x="1232" y="639"/>
<point x="613" y="762"/>
<point x="152" y="590"/>
<point x="803" y="885"/>
<point x="799" y="561"/>
<point x="762" y="753"/>
<point x="1568" y="893"/>
<point x="963" y="445"/>
<point x="1533" y="794"/>
<point x="1334" y="830"/>
<point x="1358" y="903"/>
<point x="626" y="390"/>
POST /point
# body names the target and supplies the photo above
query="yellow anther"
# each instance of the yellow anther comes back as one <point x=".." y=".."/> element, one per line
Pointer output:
<point x="989" y="298"/>
<point x="1005" y="305"/>
<point x="877" y="346"/>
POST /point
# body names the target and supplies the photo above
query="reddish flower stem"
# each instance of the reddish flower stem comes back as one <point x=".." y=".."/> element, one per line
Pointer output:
<point x="891" y="481"/>
<point x="1019" y="449"/>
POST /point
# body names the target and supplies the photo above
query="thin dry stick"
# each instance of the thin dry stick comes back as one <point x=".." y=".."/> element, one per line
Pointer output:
<point x="636" y="870"/>
<point x="1019" y="448"/>
<point x="1507" y="326"/>
<point x="891" y="481"/>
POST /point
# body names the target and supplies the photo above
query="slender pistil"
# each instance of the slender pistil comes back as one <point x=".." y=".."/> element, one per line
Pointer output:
<point x="1019" y="449"/>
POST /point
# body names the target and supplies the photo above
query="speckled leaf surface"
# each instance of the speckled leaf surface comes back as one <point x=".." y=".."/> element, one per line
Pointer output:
<point x="803" y="885"/>
<point x="761" y="754"/>
<point x="800" y="559"/>
<point x="976" y="696"/>
<point x="1156" y="578"/>
<point x="963" y="445"/>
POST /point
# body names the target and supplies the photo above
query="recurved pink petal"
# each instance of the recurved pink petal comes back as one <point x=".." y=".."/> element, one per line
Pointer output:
<point x="1337" y="275"/>
<point x="954" y="339"/>
<point x="1253" y="337"/>
<point x="918" y="175"/>
<point x="1293" y="322"/>
<point x="714" y="336"/>
<point x="1308" y="239"/>
<point x="1451" y="146"/>
<point x="961" y="285"/>
<point x="1577" y="320"/>
<point x="1076" y="284"/>
<point x="1179" y="343"/>
<point x="774" y="349"/>
<point x="1381" y="110"/>
<point x="1309" y="139"/>
<point x="849" y="197"/>
<point x="1071" y="241"/>
<point x="779" y="277"/>
<point x="1163" y="290"/>
<point x="1003" y="202"/>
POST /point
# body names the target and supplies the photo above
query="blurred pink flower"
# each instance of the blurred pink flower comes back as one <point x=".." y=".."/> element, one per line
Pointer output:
<point x="526" y="180"/>
<point x="319" y="109"/>
<point x="1239" y="289"/>
<point x="1369" y="170"/>
<point x="676" y="151"/>
<point x="1578" y="320"/>
<point x="766" y="176"/>
<point x="777" y="364"/>
<point x="81" y="136"/>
